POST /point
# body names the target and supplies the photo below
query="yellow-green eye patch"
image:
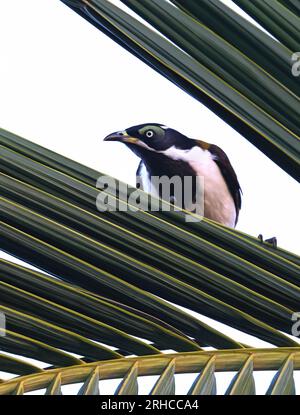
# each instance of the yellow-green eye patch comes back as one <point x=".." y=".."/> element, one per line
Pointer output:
<point x="150" y="130"/>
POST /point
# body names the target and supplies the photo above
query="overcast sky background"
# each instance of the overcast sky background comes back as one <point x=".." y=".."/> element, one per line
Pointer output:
<point x="65" y="86"/>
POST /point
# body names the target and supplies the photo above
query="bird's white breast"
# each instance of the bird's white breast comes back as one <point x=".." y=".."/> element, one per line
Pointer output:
<point x="146" y="181"/>
<point x="218" y="202"/>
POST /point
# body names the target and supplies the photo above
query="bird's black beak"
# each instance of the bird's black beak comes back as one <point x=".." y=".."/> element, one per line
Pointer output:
<point x="122" y="137"/>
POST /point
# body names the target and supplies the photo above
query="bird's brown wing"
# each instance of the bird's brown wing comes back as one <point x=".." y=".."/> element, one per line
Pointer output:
<point x="229" y="175"/>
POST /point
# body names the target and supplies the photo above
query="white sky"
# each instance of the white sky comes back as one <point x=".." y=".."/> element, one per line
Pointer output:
<point x="65" y="86"/>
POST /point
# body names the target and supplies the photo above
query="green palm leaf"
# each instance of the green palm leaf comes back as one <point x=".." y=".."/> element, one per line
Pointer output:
<point x="292" y="5"/>
<point x="164" y="256"/>
<point x="276" y="18"/>
<point x="194" y="73"/>
<point x="262" y="49"/>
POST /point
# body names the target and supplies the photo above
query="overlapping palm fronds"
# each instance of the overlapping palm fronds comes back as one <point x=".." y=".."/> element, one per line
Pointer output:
<point x="244" y="77"/>
<point x="116" y="273"/>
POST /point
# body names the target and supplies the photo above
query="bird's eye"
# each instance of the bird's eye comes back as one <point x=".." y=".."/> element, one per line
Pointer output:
<point x="149" y="134"/>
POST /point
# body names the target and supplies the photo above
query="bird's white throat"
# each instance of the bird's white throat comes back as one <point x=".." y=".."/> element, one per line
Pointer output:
<point x="194" y="154"/>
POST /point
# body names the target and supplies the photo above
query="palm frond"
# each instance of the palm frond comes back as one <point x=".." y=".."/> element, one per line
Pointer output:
<point x="222" y="77"/>
<point x="258" y="46"/>
<point x="279" y="20"/>
<point x="125" y="268"/>
<point x="292" y="5"/>
<point x="205" y="365"/>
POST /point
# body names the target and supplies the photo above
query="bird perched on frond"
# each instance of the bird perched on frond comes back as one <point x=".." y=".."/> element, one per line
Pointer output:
<point x="166" y="152"/>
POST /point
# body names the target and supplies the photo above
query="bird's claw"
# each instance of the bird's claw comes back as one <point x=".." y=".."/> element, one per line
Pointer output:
<point x="272" y="241"/>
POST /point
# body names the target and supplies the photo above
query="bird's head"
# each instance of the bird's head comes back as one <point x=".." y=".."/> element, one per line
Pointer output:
<point x="151" y="137"/>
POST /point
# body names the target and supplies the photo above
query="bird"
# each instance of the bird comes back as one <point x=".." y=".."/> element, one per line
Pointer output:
<point x="166" y="152"/>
